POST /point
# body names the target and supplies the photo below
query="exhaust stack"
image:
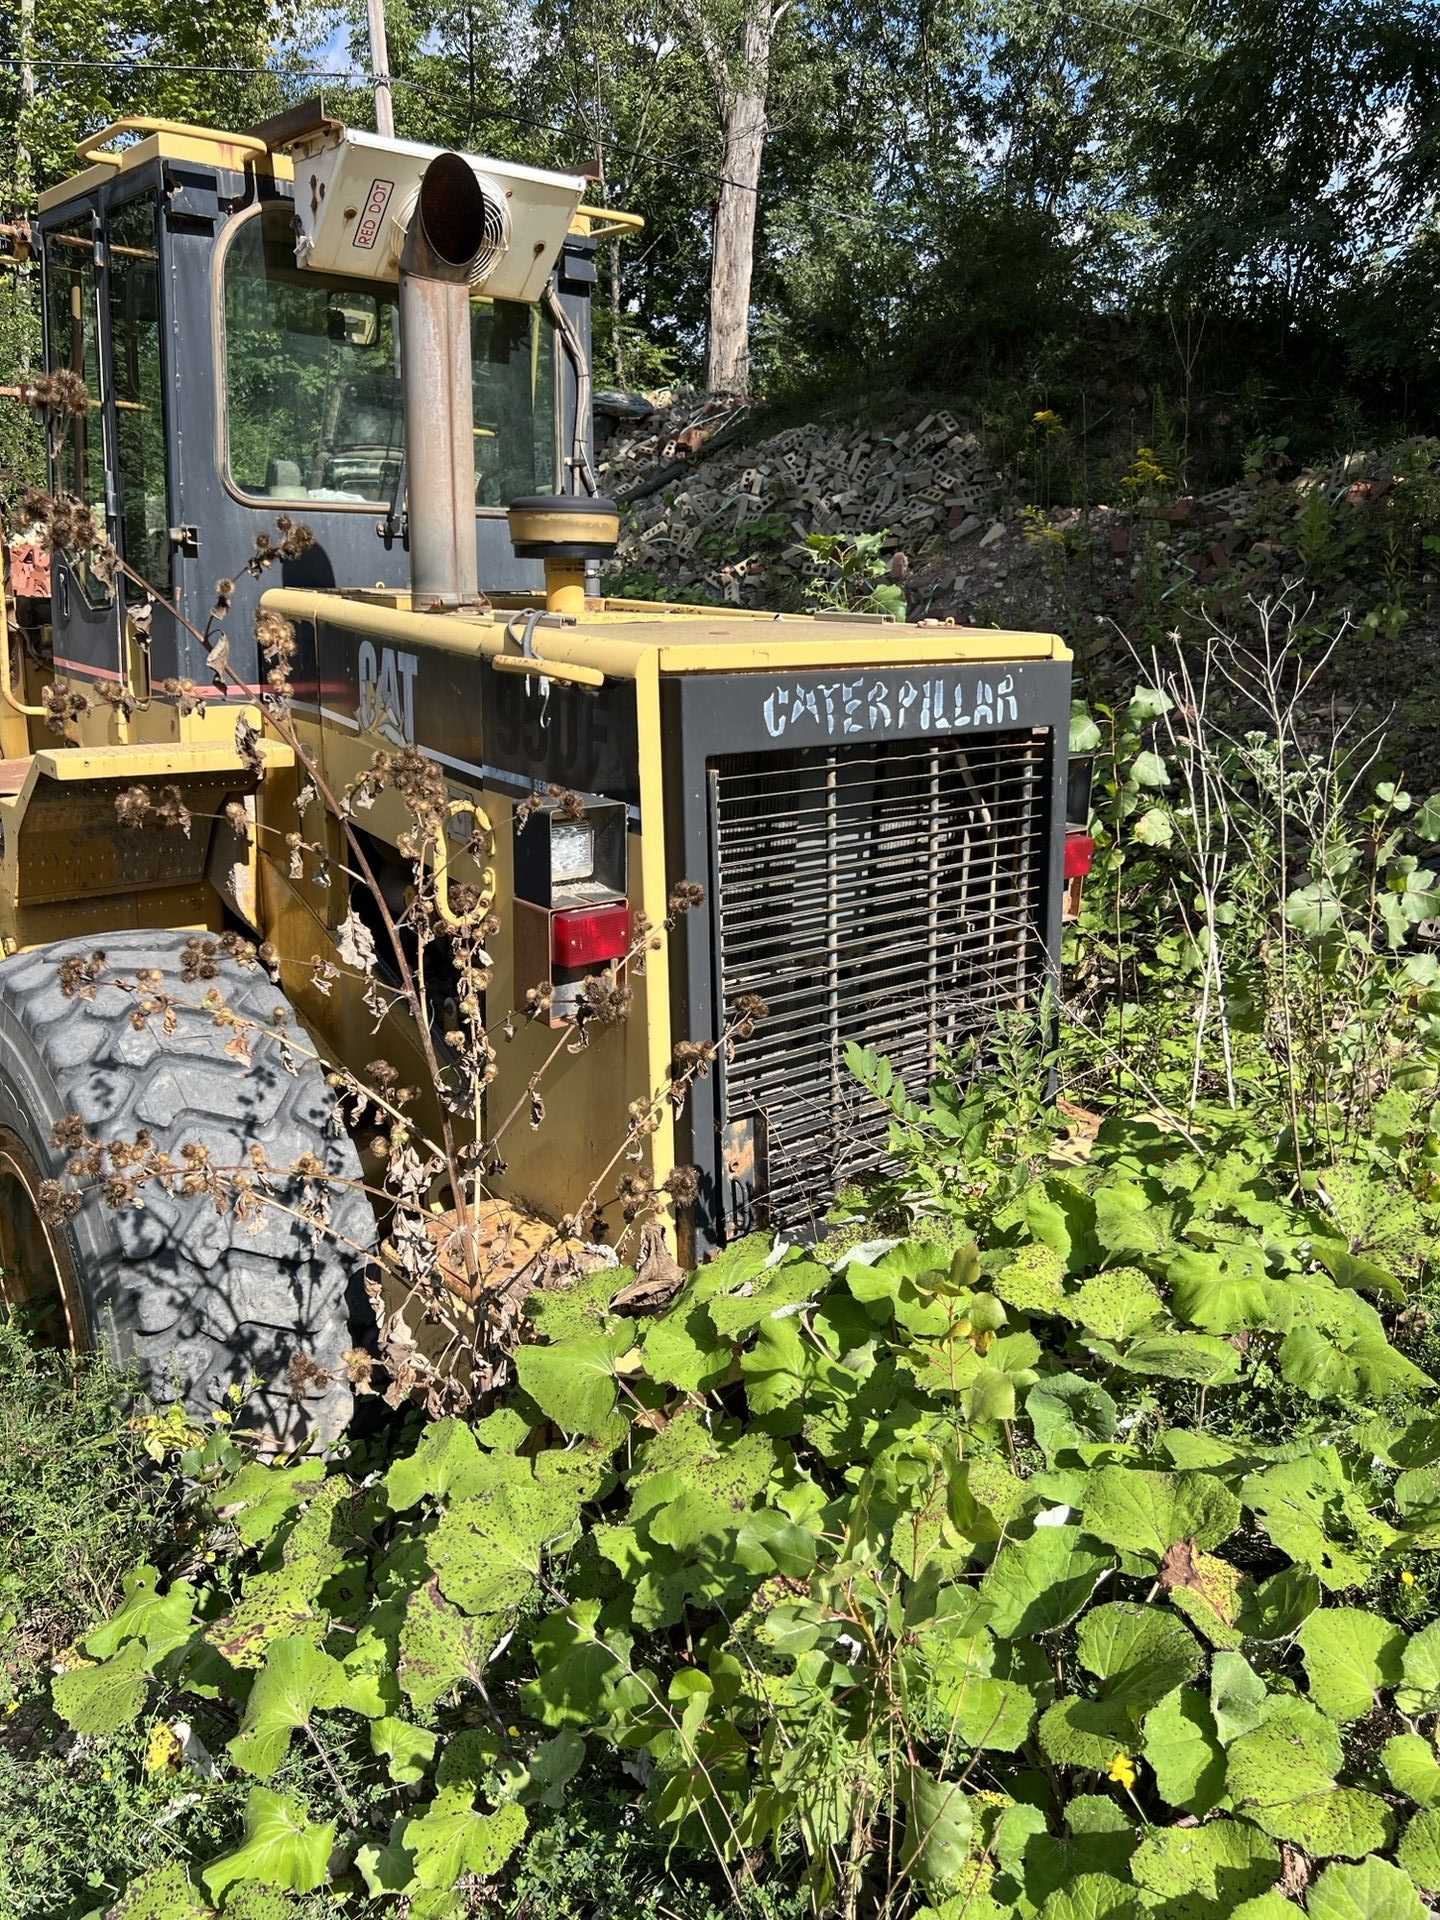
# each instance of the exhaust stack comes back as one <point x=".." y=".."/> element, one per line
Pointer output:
<point x="451" y="228"/>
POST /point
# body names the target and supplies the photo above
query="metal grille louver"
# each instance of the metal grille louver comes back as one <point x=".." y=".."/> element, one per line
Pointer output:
<point x="887" y="893"/>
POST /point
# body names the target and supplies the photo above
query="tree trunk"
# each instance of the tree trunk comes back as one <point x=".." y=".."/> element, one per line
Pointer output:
<point x="743" y="105"/>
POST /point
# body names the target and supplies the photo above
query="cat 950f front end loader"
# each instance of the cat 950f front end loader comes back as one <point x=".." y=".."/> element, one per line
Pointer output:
<point x="366" y="362"/>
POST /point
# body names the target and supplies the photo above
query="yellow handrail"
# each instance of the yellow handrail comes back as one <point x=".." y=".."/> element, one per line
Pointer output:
<point x="619" y="222"/>
<point x="87" y="150"/>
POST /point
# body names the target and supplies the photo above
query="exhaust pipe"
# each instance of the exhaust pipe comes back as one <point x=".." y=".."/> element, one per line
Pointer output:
<point x="449" y="229"/>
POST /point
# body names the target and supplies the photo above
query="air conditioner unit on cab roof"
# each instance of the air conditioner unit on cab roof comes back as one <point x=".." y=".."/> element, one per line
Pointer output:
<point x="355" y="193"/>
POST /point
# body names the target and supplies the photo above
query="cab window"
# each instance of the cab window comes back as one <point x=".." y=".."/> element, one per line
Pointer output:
<point x="72" y="320"/>
<point x="312" y="382"/>
<point x="141" y="468"/>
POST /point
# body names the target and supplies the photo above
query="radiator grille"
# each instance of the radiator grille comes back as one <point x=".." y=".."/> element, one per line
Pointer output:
<point x="887" y="893"/>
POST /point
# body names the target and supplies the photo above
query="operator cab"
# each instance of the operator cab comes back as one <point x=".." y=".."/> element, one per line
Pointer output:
<point x="231" y="385"/>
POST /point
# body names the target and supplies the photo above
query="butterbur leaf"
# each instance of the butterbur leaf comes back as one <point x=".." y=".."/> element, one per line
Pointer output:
<point x="574" y="1382"/>
<point x="1034" y="1281"/>
<point x="1238" y="1696"/>
<point x="1349" y="1653"/>
<point x="1370" y="1890"/>
<point x="1092" y="1896"/>
<point x="1419" y="1690"/>
<point x="1086" y="1733"/>
<point x="1199" y="1357"/>
<point x="1140" y="1652"/>
<point x="1282" y="1776"/>
<point x="1118" y="1303"/>
<point x="450" y="1839"/>
<point x="102" y="1699"/>
<point x="408" y="1749"/>
<point x="1419" y="1851"/>
<point x="1182" y="1750"/>
<point x="682" y="1349"/>
<point x="440" y="1646"/>
<point x="1411" y="1763"/>
<point x="937" y="1830"/>
<point x="167" y="1893"/>
<point x="1275" y="1609"/>
<point x="1206" y="1589"/>
<point x="1066" y="1411"/>
<point x="297" y="1678"/>
<point x="162" y="1621"/>
<point x="258" y="1497"/>
<point x="1145" y="1512"/>
<point x="282" y="1847"/>
<point x="1040" y="1583"/>
<point x="446" y="1461"/>
<point x="1224" y="1861"/>
<point x="552" y="1766"/>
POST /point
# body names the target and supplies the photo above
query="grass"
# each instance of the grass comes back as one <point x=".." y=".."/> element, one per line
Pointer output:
<point x="80" y="1501"/>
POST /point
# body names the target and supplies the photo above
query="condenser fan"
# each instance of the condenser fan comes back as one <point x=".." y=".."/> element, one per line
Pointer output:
<point x="496" y="244"/>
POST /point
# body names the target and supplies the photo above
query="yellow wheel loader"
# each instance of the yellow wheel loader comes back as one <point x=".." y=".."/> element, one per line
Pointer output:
<point x="367" y="361"/>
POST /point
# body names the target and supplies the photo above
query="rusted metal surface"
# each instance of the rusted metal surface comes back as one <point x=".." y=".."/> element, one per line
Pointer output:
<point x="446" y="233"/>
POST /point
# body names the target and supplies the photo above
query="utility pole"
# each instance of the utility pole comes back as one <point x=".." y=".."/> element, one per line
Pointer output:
<point x="380" y="70"/>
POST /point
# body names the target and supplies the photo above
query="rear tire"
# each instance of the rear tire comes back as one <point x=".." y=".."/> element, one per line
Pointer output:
<point x="191" y="1298"/>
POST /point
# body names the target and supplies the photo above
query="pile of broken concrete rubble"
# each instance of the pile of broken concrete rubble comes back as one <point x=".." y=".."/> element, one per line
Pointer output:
<point x="709" y="507"/>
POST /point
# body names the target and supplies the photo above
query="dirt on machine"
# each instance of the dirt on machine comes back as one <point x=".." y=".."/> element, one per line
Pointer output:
<point x="348" y="377"/>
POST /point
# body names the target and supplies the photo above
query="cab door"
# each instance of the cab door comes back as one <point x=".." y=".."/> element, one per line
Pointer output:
<point x="136" y="417"/>
<point x="84" y="603"/>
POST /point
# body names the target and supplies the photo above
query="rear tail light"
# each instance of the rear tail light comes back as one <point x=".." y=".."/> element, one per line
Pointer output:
<point x="1079" y="855"/>
<point x="585" y="936"/>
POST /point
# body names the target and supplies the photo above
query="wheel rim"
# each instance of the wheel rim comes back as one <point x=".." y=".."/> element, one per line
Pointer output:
<point x="37" y="1275"/>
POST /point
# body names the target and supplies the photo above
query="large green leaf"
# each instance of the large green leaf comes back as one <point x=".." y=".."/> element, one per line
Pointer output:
<point x="573" y="1382"/>
<point x="1238" y="1696"/>
<point x="1182" y="1748"/>
<point x="1304" y="1504"/>
<point x="1419" y="1689"/>
<point x="282" y="1847"/>
<point x="102" y="1699"/>
<point x="259" y="1496"/>
<point x="1118" y="1303"/>
<point x="451" y="1839"/>
<point x="1076" y="1732"/>
<point x="1370" y="1890"/>
<point x="776" y="1293"/>
<point x="162" y="1621"/>
<point x="1282" y="1775"/>
<point x="1198" y="1357"/>
<point x="1140" y="1652"/>
<point x="407" y="1749"/>
<point x="1221" y="1291"/>
<point x="440" y="1646"/>
<point x="1091" y="1896"/>
<point x="1419" y="1851"/>
<point x="1066" y="1411"/>
<point x="1349" y="1653"/>
<point x="1144" y="1512"/>
<point x="297" y="1678"/>
<point x="1222" y="1862"/>
<point x="166" y="1893"/>
<point x="445" y="1462"/>
<point x="1410" y="1761"/>
<point x="1040" y="1583"/>
<point x="682" y="1349"/>
<point x="937" y="1829"/>
<point x="486" y="1553"/>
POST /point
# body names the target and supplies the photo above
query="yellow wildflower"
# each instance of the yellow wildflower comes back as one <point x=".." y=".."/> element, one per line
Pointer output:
<point x="163" y="1749"/>
<point x="1122" y="1771"/>
<point x="1407" y="1579"/>
<point x="1047" y="417"/>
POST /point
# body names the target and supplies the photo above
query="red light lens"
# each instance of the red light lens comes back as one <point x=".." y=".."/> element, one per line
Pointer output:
<point x="583" y="936"/>
<point x="1079" y="855"/>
